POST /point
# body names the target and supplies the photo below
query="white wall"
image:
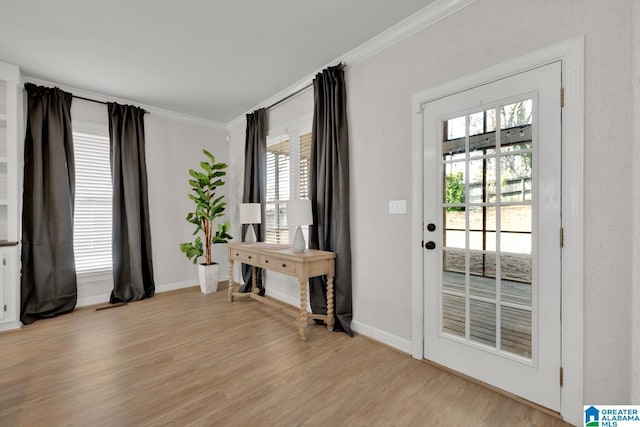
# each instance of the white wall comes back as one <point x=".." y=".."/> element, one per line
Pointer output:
<point x="635" y="308"/>
<point x="481" y="35"/>
<point x="172" y="148"/>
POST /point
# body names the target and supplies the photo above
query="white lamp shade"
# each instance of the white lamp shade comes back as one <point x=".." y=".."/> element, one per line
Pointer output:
<point x="250" y="213"/>
<point x="299" y="212"/>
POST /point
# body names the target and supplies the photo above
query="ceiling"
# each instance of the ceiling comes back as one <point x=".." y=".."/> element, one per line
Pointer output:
<point x="212" y="59"/>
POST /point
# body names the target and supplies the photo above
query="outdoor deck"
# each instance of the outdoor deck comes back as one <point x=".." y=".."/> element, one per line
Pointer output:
<point x="515" y="327"/>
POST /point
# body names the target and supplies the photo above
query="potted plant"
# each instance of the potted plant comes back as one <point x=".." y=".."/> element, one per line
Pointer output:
<point x="208" y="207"/>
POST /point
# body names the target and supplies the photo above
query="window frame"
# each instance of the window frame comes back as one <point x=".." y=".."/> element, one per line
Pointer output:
<point x="102" y="131"/>
<point x="292" y="132"/>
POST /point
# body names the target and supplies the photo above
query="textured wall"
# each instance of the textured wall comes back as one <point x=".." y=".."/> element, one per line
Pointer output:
<point x="635" y="309"/>
<point x="484" y="34"/>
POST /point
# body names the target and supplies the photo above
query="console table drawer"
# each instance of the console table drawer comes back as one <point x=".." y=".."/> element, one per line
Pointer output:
<point x="243" y="256"/>
<point x="277" y="264"/>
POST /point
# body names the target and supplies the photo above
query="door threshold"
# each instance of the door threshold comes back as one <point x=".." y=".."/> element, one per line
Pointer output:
<point x="500" y="391"/>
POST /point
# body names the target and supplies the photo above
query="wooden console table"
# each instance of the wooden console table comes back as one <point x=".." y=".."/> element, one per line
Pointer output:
<point x="302" y="265"/>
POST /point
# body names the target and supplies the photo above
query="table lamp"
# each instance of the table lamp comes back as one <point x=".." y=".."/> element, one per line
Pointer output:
<point x="250" y="213"/>
<point x="299" y="213"/>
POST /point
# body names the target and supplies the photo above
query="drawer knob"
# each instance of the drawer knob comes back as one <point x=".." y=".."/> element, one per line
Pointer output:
<point x="266" y="261"/>
<point x="249" y="257"/>
<point x="237" y="254"/>
<point x="284" y="265"/>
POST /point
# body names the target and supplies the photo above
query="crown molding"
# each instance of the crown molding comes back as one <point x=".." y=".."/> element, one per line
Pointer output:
<point x="424" y="18"/>
<point x="155" y="111"/>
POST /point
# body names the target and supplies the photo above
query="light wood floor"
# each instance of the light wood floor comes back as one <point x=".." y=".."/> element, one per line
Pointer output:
<point x="183" y="358"/>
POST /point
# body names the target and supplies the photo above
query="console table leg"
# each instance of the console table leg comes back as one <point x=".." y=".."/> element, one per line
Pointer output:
<point x="302" y="326"/>
<point x="254" y="279"/>
<point x="330" y="318"/>
<point x="230" y="292"/>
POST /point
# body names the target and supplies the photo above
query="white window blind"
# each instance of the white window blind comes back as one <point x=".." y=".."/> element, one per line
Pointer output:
<point x="288" y="165"/>
<point x="305" y="164"/>
<point x="278" y="184"/>
<point x="93" y="200"/>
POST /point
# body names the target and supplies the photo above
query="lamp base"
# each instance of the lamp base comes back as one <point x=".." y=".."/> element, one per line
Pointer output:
<point x="250" y="235"/>
<point x="299" y="244"/>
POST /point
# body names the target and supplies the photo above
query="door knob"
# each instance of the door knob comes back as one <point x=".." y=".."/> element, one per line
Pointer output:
<point x="431" y="227"/>
<point x="430" y="245"/>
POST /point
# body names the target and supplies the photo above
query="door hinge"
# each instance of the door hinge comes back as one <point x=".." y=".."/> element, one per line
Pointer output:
<point x="561" y="377"/>
<point x="561" y="97"/>
<point x="5" y="307"/>
<point x="562" y="237"/>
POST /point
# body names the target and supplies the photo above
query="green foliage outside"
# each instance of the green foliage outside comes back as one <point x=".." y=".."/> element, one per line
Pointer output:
<point x="455" y="191"/>
<point x="208" y="207"/>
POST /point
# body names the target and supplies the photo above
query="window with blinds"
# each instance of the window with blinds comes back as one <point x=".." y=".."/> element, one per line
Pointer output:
<point x="305" y="164"/>
<point x="278" y="183"/>
<point x="93" y="201"/>
<point x="288" y="166"/>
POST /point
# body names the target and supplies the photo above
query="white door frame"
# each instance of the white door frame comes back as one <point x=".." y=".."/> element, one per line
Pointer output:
<point x="571" y="54"/>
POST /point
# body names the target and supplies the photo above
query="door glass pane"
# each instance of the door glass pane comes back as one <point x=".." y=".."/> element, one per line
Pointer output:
<point x="454" y="183"/>
<point x="482" y="180"/>
<point x="453" y="315"/>
<point x="476" y="123"/>
<point x="515" y="229"/>
<point x="454" y="220"/>
<point x="515" y="283"/>
<point x="515" y="331"/>
<point x="515" y="177"/>
<point x="482" y="275"/>
<point x="453" y="280"/>
<point x="455" y="128"/>
<point x="482" y="226"/>
<point x="483" y="322"/>
<point x="453" y="260"/>
<point x="516" y="114"/>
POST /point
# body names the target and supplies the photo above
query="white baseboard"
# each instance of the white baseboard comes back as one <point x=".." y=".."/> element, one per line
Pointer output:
<point x="177" y="285"/>
<point x="391" y="340"/>
<point x="8" y="326"/>
<point x="104" y="298"/>
<point x="92" y="300"/>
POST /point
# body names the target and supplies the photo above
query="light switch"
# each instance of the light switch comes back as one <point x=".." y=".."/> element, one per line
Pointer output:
<point x="397" y="207"/>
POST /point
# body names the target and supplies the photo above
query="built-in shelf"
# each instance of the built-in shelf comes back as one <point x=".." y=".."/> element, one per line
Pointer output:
<point x="4" y="202"/>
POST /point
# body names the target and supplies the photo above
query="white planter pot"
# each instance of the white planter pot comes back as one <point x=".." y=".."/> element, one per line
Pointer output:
<point x="209" y="276"/>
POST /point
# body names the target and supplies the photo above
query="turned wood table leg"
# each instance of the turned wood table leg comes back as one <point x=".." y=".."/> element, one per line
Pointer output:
<point x="302" y="325"/>
<point x="230" y="292"/>
<point x="330" y="319"/>
<point x="254" y="279"/>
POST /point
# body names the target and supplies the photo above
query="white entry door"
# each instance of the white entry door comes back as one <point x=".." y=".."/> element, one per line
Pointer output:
<point x="492" y="200"/>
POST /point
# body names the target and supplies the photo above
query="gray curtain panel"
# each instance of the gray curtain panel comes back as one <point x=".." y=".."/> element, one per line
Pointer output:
<point x="48" y="281"/>
<point x="255" y="178"/>
<point x="329" y="192"/>
<point x="132" y="262"/>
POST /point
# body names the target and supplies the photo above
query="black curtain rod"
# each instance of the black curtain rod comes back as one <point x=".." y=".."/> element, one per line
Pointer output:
<point x="307" y="86"/>
<point x="291" y="95"/>
<point x="98" y="102"/>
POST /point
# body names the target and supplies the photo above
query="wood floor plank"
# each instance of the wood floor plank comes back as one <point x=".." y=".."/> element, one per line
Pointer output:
<point x="183" y="358"/>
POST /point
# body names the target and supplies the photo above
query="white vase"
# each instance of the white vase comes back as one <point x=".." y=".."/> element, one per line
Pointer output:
<point x="208" y="276"/>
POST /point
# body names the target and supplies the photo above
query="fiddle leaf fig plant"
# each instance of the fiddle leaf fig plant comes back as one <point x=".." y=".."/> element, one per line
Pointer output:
<point x="208" y="207"/>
